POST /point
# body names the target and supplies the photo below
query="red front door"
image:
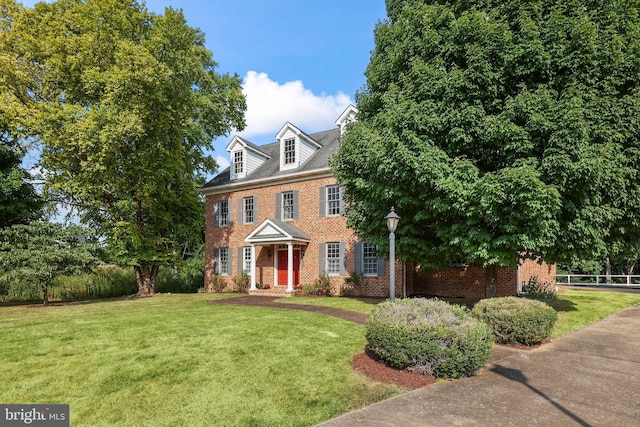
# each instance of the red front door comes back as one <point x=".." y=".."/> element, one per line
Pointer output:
<point x="283" y="264"/>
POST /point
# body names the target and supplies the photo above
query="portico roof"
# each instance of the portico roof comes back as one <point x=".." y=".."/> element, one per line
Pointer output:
<point x="272" y="231"/>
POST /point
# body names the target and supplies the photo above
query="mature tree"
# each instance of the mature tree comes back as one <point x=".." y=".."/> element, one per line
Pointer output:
<point x="19" y="202"/>
<point x="499" y="129"/>
<point x="41" y="251"/>
<point x="126" y="104"/>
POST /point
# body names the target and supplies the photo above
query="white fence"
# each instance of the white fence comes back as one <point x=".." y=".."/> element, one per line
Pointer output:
<point x="613" y="280"/>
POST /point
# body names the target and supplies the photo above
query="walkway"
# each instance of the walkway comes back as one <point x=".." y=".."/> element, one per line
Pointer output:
<point x="264" y="301"/>
<point x="590" y="377"/>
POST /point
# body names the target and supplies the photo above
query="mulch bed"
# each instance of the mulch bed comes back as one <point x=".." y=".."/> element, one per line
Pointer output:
<point x="371" y="366"/>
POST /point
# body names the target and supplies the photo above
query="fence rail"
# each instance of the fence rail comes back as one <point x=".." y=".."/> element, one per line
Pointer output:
<point x="613" y="280"/>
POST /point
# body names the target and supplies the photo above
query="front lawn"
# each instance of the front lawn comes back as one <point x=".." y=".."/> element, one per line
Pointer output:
<point x="578" y="308"/>
<point x="176" y="360"/>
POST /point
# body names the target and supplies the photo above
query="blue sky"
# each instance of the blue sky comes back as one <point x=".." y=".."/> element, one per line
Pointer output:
<point x="301" y="61"/>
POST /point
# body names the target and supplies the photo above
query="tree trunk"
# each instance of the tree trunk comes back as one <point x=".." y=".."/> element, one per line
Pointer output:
<point x="146" y="276"/>
<point x="491" y="281"/>
<point x="608" y="269"/>
<point x="45" y="293"/>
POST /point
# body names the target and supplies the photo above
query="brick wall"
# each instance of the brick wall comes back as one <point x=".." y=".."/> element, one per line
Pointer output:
<point x="466" y="282"/>
<point x="319" y="229"/>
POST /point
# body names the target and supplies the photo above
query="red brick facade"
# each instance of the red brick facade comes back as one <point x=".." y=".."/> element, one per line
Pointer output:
<point x="264" y="180"/>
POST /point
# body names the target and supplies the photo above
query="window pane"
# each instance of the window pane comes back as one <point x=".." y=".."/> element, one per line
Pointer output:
<point x="287" y="205"/>
<point x="247" y="260"/>
<point x="289" y="151"/>
<point x="237" y="162"/>
<point x="223" y="212"/>
<point x="333" y="200"/>
<point x="224" y="260"/>
<point x="248" y="210"/>
<point x="333" y="258"/>
<point x="369" y="260"/>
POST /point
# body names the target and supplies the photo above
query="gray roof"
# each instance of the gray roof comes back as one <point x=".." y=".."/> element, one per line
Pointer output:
<point x="328" y="140"/>
<point x="291" y="230"/>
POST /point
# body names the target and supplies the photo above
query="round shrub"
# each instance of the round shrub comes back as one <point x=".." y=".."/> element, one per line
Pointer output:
<point x="517" y="320"/>
<point x="429" y="336"/>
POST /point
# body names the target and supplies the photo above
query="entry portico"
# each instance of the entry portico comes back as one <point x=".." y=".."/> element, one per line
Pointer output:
<point x="274" y="233"/>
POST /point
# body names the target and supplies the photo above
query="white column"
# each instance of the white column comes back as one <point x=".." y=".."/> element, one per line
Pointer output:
<point x="290" y="268"/>
<point x="274" y="251"/>
<point x="253" y="267"/>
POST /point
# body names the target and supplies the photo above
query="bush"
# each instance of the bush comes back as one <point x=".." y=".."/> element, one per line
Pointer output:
<point x="429" y="336"/>
<point x="103" y="282"/>
<point x="181" y="281"/>
<point x="217" y="283"/>
<point x="517" y="320"/>
<point x="241" y="283"/>
<point x="320" y="287"/>
<point x="352" y="285"/>
<point x="535" y="289"/>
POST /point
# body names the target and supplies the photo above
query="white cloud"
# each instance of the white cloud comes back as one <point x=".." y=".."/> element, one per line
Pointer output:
<point x="223" y="162"/>
<point x="271" y="104"/>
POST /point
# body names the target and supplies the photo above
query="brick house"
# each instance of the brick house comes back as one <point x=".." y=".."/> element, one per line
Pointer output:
<point x="276" y="214"/>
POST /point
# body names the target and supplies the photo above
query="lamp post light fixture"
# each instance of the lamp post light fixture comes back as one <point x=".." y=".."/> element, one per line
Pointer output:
<point x="392" y="223"/>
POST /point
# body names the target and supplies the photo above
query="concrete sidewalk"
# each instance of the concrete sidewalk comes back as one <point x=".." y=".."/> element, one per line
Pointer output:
<point x="590" y="377"/>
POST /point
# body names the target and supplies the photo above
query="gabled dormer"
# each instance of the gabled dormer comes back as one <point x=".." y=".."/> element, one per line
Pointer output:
<point x="295" y="147"/>
<point x="245" y="158"/>
<point x="348" y="116"/>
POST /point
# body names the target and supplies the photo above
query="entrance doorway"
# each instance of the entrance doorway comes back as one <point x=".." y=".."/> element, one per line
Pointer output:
<point x="283" y="265"/>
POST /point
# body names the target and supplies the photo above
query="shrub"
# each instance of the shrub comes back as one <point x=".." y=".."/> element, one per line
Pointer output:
<point x="517" y="320"/>
<point x="321" y="286"/>
<point x="241" y="283"/>
<point x="429" y="337"/>
<point x="179" y="280"/>
<point x="352" y="285"/>
<point x="535" y="289"/>
<point x="217" y="283"/>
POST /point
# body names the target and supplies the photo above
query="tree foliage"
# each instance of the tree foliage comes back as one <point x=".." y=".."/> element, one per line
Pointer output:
<point x="126" y="104"/>
<point x="40" y="251"/>
<point x="499" y="129"/>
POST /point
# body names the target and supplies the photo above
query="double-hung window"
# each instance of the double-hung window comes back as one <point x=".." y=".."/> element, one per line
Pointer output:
<point x="333" y="259"/>
<point x="287" y="205"/>
<point x="238" y="162"/>
<point x="248" y="210"/>
<point x="369" y="260"/>
<point x="333" y="200"/>
<point x="221" y="214"/>
<point x="289" y="151"/>
<point x="221" y="261"/>
<point x="246" y="257"/>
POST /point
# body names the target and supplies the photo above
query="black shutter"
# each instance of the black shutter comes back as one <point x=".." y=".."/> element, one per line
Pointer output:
<point x="216" y="214"/>
<point x="343" y="259"/>
<point x="216" y="261"/>
<point x="240" y="209"/>
<point x="278" y="205"/>
<point x="240" y="260"/>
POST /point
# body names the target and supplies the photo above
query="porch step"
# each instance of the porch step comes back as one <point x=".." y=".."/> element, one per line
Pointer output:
<point x="272" y="292"/>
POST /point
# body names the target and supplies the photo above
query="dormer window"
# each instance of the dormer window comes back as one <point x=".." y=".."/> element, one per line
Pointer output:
<point x="238" y="162"/>
<point x="289" y="151"/>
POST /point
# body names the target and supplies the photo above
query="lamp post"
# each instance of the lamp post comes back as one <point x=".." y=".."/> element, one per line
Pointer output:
<point x="392" y="222"/>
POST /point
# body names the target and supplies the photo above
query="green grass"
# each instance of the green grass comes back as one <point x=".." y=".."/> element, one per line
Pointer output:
<point x="176" y="360"/>
<point x="578" y="308"/>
